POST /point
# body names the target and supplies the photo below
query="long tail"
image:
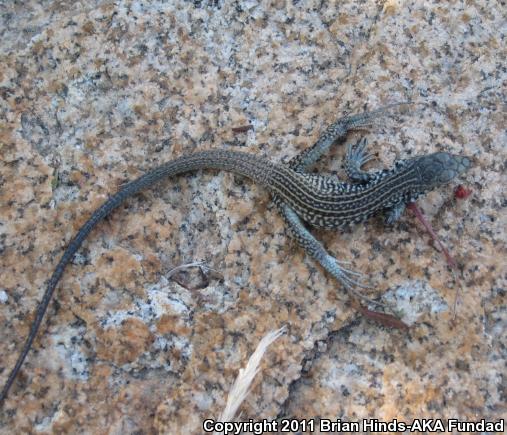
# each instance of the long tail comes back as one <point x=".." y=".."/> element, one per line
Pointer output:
<point x="256" y="168"/>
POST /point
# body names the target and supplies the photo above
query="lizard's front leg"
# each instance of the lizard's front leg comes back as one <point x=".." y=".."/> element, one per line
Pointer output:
<point x="348" y="278"/>
<point x="336" y="131"/>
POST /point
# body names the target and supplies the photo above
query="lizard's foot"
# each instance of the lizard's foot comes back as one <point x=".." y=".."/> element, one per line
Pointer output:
<point x="395" y="213"/>
<point x="346" y="278"/>
<point x="354" y="159"/>
<point x="356" y="154"/>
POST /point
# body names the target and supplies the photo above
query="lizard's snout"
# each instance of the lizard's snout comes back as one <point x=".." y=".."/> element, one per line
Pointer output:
<point x="460" y="163"/>
<point x="453" y="162"/>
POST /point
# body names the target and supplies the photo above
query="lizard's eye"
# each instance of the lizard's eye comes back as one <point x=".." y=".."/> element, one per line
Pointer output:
<point x="430" y="174"/>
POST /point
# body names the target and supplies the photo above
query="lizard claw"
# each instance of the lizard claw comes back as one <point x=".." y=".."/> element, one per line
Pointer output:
<point x="357" y="154"/>
<point x="345" y="277"/>
<point x="348" y="277"/>
<point x="348" y="282"/>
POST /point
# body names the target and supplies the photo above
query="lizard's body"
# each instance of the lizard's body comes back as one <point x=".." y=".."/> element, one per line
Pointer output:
<point x="321" y="201"/>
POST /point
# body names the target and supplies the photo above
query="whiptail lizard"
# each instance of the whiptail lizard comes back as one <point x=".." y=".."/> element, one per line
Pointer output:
<point x="319" y="200"/>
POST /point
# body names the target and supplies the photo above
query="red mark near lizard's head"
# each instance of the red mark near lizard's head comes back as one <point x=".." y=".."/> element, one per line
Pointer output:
<point x="462" y="192"/>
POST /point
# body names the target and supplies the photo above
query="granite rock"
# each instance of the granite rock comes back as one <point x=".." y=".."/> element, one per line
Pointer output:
<point x="94" y="93"/>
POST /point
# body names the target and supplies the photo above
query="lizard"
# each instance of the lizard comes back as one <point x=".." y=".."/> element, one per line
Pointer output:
<point x="302" y="197"/>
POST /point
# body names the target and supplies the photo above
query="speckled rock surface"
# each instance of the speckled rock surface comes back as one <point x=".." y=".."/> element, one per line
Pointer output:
<point x="94" y="93"/>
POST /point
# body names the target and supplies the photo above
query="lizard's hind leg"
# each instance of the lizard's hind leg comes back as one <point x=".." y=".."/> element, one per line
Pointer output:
<point x="347" y="277"/>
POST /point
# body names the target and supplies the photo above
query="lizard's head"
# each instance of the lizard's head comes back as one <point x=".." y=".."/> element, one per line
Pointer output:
<point x="436" y="169"/>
